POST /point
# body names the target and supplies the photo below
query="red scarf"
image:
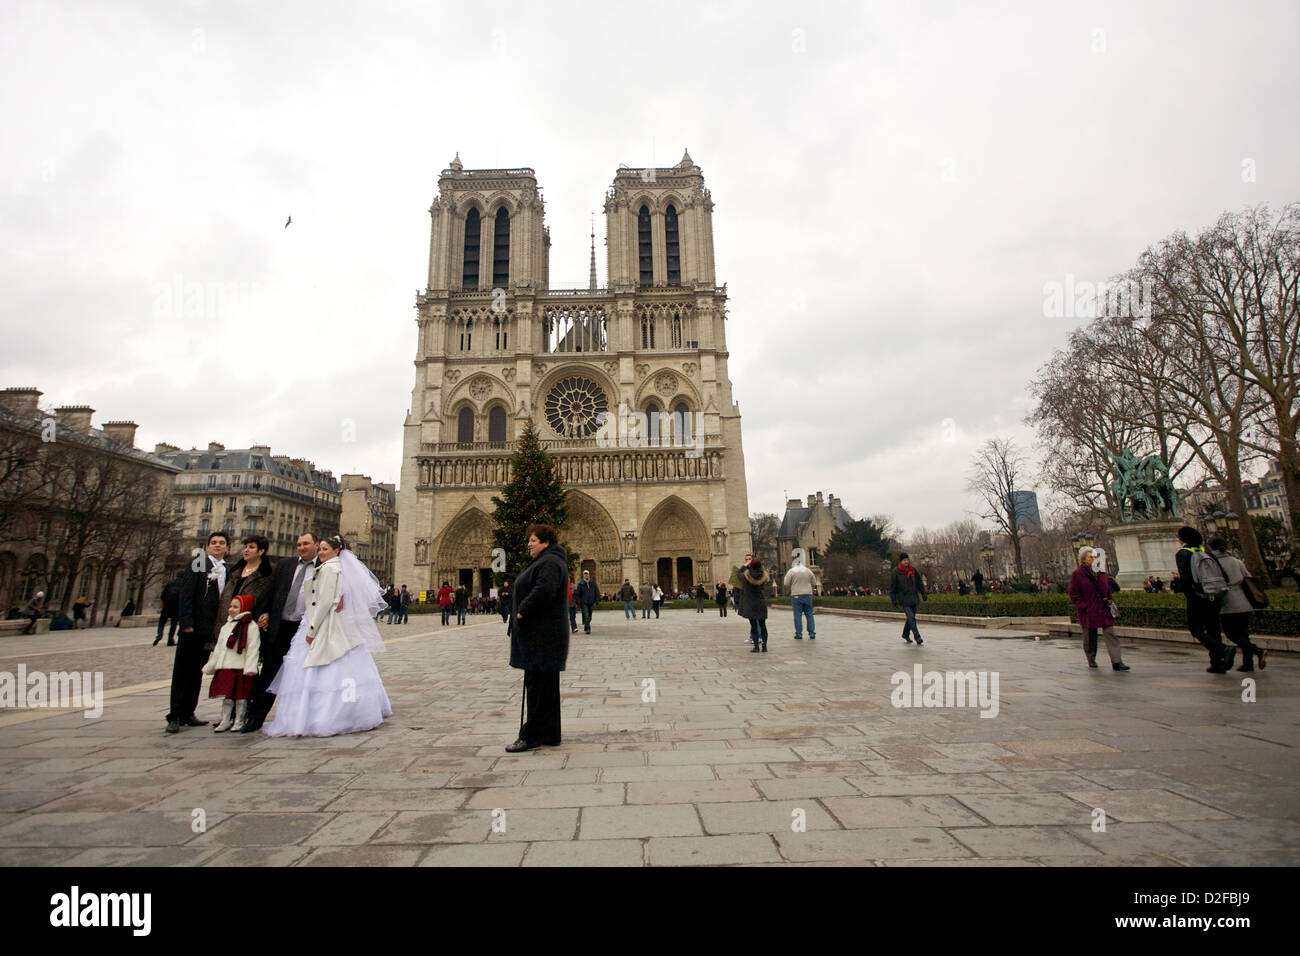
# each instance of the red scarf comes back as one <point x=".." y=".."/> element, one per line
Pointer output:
<point x="909" y="570"/>
<point x="239" y="636"/>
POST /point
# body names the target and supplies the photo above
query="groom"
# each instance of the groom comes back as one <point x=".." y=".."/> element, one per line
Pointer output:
<point x="200" y="597"/>
<point x="280" y="624"/>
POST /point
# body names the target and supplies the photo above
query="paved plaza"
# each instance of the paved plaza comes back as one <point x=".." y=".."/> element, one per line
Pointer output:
<point x="796" y="756"/>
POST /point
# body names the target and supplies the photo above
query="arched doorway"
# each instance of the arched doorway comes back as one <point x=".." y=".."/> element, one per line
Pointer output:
<point x="675" y="546"/>
<point x="465" y="552"/>
<point x="591" y="532"/>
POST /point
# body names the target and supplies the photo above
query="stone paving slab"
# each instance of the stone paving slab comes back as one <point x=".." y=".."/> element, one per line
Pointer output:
<point x="795" y="757"/>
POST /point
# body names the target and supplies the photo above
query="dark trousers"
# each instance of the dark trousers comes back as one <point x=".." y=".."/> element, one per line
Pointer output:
<point x="656" y="607"/>
<point x="542" y="688"/>
<point x="175" y="622"/>
<point x="586" y="616"/>
<point x="272" y="657"/>
<point x="1236" y="628"/>
<point x="909" y="625"/>
<point x="758" y="629"/>
<point x="573" y="616"/>
<point x="187" y="673"/>
<point x="722" y="610"/>
<point x="1203" y="622"/>
<point x="446" y="613"/>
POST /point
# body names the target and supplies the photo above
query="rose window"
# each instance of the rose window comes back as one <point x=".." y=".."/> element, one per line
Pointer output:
<point x="573" y="406"/>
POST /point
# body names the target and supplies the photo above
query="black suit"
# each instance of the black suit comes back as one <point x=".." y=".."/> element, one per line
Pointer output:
<point x="279" y="635"/>
<point x="200" y="601"/>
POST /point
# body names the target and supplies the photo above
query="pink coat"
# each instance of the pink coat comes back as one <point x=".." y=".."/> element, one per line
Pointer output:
<point x="1089" y="592"/>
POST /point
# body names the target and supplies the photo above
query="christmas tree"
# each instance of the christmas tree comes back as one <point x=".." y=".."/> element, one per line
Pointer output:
<point x="535" y="495"/>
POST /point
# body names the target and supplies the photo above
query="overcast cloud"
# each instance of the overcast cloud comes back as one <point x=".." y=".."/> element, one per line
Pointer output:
<point x="894" y="184"/>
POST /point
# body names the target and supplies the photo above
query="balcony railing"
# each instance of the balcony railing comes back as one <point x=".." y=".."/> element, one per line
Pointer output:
<point x="578" y="467"/>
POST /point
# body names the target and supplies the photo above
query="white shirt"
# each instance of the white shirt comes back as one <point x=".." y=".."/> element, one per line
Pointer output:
<point x="293" y="605"/>
<point x="220" y="567"/>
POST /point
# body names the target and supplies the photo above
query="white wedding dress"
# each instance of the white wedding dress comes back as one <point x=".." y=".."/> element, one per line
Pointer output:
<point x="346" y="694"/>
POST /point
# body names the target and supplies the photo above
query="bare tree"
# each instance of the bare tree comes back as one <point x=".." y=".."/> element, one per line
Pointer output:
<point x="995" y="476"/>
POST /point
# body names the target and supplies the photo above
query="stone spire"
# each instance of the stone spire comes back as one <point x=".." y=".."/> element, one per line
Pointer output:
<point x="456" y="163"/>
<point x="592" y="285"/>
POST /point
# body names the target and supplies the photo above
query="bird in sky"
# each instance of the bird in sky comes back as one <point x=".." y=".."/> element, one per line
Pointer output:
<point x="287" y="221"/>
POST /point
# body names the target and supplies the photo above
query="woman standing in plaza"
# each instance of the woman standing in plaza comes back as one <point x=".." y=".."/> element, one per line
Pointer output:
<point x="329" y="683"/>
<point x="752" y="602"/>
<point x="539" y="637"/>
<point x="1090" y="592"/>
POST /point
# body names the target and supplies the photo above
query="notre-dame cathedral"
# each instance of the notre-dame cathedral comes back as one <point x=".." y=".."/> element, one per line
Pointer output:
<point x="627" y="385"/>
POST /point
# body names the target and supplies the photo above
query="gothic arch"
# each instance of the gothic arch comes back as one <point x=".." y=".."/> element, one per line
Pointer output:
<point x="502" y="201"/>
<point x="591" y="532"/>
<point x="468" y="202"/>
<point x="466" y="542"/>
<point x="684" y="390"/>
<point x="675" y="526"/>
<point x="464" y="392"/>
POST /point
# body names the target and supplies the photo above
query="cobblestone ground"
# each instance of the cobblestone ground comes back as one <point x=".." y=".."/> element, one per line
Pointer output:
<point x="790" y="757"/>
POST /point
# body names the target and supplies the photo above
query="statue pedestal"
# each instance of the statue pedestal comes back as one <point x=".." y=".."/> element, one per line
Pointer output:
<point x="1145" y="549"/>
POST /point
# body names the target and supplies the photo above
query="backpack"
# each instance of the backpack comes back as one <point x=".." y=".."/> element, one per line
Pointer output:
<point x="1208" y="576"/>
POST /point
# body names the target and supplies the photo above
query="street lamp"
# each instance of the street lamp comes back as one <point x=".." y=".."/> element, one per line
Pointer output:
<point x="988" y="551"/>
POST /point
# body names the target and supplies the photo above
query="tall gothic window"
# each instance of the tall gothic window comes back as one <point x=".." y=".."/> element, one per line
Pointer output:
<point x="497" y="424"/>
<point x="502" y="333"/>
<point x="469" y="279"/>
<point x="643" y="246"/>
<point x="676" y="330"/>
<point x="465" y="425"/>
<point x="466" y="335"/>
<point x="501" y="251"/>
<point x="647" y="333"/>
<point x="672" y="247"/>
<point x="653" y="416"/>
<point x="682" y="423"/>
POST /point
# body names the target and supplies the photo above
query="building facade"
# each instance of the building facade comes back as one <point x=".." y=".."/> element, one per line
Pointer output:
<point x="82" y="510"/>
<point x="369" y="523"/>
<point x="247" y="491"/>
<point x="808" y="526"/>
<point x="627" y="385"/>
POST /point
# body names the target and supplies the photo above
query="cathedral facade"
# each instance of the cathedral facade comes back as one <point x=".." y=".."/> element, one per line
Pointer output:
<point x="626" y="385"/>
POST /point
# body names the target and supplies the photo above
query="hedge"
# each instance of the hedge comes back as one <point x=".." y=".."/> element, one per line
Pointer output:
<point x="1137" y="609"/>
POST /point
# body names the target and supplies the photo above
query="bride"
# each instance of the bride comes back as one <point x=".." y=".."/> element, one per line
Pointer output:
<point x="328" y="683"/>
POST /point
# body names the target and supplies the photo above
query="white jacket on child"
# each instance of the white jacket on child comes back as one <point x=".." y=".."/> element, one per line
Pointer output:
<point x="229" y="658"/>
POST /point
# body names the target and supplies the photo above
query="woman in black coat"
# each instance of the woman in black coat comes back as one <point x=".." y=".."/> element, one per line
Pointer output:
<point x="539" y="636"/>
<point x="753" y="603"/>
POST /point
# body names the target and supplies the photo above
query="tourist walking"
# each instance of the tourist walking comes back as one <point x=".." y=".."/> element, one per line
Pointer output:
<point x="721" y="598"/>
<point x="1090" y="593"/>
<point x="1200" y="578"/>
<point x="657" y="598"/>
<point x="82" y="605"/>
<point x="539" y="638"/>
<point x="403" y="602"/>
<point x="446" y="601"/>
<point x="587" y="594"/>
<point x="462" y="603"/>
<point x="800" y="583"/>
<point x="572" y="606"/>
<point x="1234" y="613"/>
<point x="332" y="652"/>
<point x="503" y="602"/>
<point x="33" y="611"/>
<point x="280" y="623"/>
<point x="627" y="594"/>
<point x="701" y="593"/>
<point x="751" y="603"/>
<point x="171" y="610"/>
<point x="904" y="588"/>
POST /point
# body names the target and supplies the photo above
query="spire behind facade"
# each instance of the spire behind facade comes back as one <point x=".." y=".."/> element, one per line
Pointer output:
<point x="592" y="285"/>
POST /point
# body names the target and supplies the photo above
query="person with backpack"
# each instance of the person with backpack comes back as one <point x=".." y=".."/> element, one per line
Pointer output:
<point x="1203" y="583"/>
<point x="1234" y="615"/>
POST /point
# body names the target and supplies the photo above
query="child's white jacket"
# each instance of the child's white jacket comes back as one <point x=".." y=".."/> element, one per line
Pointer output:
<point x="228" y="658"/>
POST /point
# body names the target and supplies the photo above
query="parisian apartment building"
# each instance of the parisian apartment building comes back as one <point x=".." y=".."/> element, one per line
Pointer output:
<point x="369" y="523"/>
<point x="249" y="491"/>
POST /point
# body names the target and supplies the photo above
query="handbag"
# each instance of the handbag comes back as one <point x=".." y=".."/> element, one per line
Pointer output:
<point x="1113" y="609"/>
<point x="1255" y="594"/>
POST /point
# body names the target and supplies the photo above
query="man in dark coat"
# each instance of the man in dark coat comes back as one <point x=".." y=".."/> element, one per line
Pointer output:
<point x="1202" y="611"/>
<point x="539" y="636"/>
<point x="586" y="594"/>
<point x="904" y="587"/>
<point x="977" y="579"/>
<point x="199" y="606"/>
<point x="171" y="610"/>
<point x="280" y="624"/>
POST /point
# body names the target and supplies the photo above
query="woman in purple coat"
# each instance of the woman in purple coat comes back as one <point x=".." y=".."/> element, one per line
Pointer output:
<point x="1090" y="591"/>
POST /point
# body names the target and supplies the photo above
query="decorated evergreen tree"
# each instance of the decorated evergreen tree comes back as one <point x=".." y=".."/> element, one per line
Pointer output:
<point x="535" y="495"/>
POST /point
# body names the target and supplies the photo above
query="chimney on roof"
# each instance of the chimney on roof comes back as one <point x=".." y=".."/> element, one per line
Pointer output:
<point x="812" y="500"/>
<point x="163" y="448"/>
<point x="819" y="497"/>
<point x="75" y="418"/>
<point x="22" y="402"/>
<point x="792" y="503"/>
<point x="264" y="450"/>
<point x="121" y="432"/>
<point x="216" y="446"/>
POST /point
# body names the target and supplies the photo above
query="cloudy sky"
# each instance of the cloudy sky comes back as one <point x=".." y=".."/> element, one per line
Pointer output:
<point x="894" y="186"/>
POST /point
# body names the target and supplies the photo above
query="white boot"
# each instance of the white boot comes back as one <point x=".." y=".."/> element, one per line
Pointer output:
<point x="227" y="716"/>
<point x="241" y="716"/>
